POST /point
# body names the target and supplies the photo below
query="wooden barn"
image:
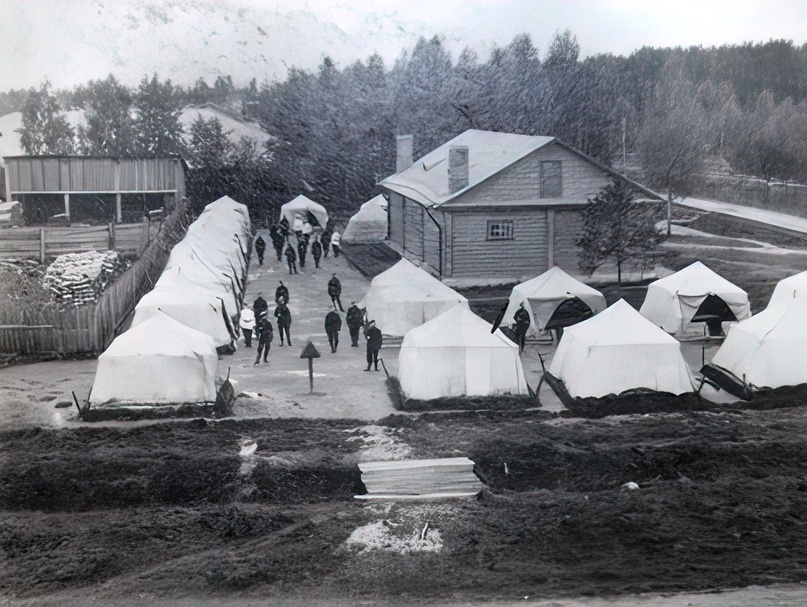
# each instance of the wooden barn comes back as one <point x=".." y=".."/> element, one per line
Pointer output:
<point x="92" y="189"/>
<point x="491" y="207"/>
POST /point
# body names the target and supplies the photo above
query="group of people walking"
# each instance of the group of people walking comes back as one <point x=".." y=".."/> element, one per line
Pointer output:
<point x="281" y="237"/>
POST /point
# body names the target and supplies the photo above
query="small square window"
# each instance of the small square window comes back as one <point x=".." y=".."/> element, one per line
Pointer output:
<point x="551" y="179"/>
<point x="500" y="230"/>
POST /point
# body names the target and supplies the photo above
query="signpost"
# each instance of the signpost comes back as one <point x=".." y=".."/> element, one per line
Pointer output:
<point x="310" y="352"/>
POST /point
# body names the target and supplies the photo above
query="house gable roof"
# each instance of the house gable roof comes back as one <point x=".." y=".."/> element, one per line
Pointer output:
<point x="426" y="181"/>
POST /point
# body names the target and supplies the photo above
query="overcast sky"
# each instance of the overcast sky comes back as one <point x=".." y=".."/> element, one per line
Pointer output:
<point x="73" y="41"/>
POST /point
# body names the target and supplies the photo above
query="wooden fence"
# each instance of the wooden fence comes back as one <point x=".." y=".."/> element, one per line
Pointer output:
<point x="90" y="328"/>
<point x="48" y="242"/>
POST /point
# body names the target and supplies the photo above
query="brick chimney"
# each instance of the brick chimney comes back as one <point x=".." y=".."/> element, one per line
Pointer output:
<point x="403" y="157"/>
<point x="457" y="168"/>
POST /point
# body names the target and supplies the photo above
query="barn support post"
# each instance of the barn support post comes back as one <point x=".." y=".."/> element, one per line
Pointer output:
<point x="118" y="216"/>
<point x="67" y="207"/>
<point x="42" y="246"/>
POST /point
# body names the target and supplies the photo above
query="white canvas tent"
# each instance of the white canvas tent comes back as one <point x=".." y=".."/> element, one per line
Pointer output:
<point x="616" y="351"/>
<point x="303" y="206"/>
<point x="197" y="308"/>
<point x="159" y="361"/>
<point x="769" y="350"/>
<point x="369" y="224"/>
<point x="683" y="303"/>
<point x="554" y="297"/>
<point x="404" y="297"/>
<point x="455" y="354"/>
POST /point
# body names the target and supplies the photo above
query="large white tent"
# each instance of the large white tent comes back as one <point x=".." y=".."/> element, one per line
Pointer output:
<point x="304" y="207"/>
<point x="616" y="351"/>
<point x="159" y="361"/>
<point x="404" y="297"/>
<point x="554" y="297"/>
<point x="455" y="354"/>
<point x="769" y="350"/>
<point x="684" y="302"/>
<point x="369" y="224"/>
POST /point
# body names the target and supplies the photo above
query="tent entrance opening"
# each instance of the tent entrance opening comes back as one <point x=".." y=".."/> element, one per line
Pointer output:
<point x="714" y="312"/>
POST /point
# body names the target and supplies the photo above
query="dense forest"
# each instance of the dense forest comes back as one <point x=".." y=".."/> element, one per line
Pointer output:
<point x="660" y="114"/>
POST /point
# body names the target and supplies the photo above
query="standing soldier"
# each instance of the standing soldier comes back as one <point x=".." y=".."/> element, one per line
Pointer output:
<point x="260" y="247"/>
<point x="283" y="316"/>
<point x="336" y="238"/>
<point x="301" y="251"/>
<point x="316" y="251"/>
<point x="354" y="318"/>
<point x="326" y="242"/>
<point x="333" y="324"/>
<point x="522" y="318"/>
<point x="281" y="291"/>
<point x="278" y="240"/>
<point x="335" y="291"/>
<point x="374" y="341"/>
<point x="291" y="258"/>
<point x="265" y="336"/>
<point x="260" y="308"/>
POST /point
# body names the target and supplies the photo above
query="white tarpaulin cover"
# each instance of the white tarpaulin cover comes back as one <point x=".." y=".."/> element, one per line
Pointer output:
<point x="159" y="361"/>
<point x="616" y="351"/>
<point x="404" y="297"/>
<point x="455" y="354"/>
<point x="197" y="308"/>
<point x="543" y="294"/>
<point x="369" y="224"/>
<point x="671" y="302"/>
<point x="302" y="206"/>
<point x="769" y="350"/>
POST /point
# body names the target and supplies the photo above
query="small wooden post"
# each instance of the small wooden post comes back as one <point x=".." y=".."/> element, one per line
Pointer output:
<point x="310" y="352"/>
<point x="42" y="246"/>
<point x="67" y="207"/>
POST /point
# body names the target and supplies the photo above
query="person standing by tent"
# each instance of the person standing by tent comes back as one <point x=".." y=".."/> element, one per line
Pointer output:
<point x="316" y="251"/>
<point x="260" y="248"/>
<point x="283" y="315"/>
<point x="333" y="324"/>
<point x="301" y="251"/>
<point x="374" y="341"/>
<point x="265" y="336"/>
<point x="335" y="291"/>
<point x="281" y="291"/>
<point x="278" y="240"/>
<point x="336" y="238"/>
<point x="522" y="318"/>
<point x="326" y="242"/>
<point x="291" y="259"/>
<point x="260" y="309"/>
<point x="354" y="319"/>
<point x="307" y="229"/>
<point x="247" y="323"/>
<point x="283" y="228"/>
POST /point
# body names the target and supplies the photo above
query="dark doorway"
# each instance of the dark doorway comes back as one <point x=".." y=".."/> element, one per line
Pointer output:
<point x="569" y="313"/>
<point x="714" y="312"/>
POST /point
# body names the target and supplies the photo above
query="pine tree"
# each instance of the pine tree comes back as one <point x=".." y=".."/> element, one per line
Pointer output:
<point x="45" y="129"/>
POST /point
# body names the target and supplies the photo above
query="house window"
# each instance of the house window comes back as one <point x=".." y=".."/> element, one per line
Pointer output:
<point x="500" y="230"/>
<point x="551" y="179"/>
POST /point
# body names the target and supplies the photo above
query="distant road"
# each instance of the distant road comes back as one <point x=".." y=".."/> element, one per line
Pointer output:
<point x="787" y="223"/>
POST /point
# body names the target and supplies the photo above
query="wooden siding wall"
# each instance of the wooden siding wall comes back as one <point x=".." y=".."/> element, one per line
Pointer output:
<point x="474" y="256"/>
<point x="568" y="226"/>
<point x="74" y="174"/>
<point x="395" y="210"/>
<point x="521" y="181"/>
<point x="16" y="243"/>
<point x="89" y="329"/>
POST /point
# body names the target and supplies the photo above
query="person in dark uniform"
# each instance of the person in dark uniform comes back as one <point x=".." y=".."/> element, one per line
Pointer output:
<point x="326" y="242"/>
<point x="354" y="318"/>
<point x="522" y="318"/>
<point x="283" y="316"/>
<point x="301" y="251"/>
<point x="281" y="291"/>
<point x="291" y="258"/>
<point x="374" y="341"/>
<point x="333" y="324"/>
<point x="283" y="228"/>
<point x="260" y="308"/>
<point x="260" y="248"/>
<point x="335" y="291"/>
<point x="265" y="336"/>
<point x="316" y="251"/>
<point x="278" y="240"/>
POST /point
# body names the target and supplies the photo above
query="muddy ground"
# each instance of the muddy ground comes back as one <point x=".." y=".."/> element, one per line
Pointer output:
<point x="182" y="510"/>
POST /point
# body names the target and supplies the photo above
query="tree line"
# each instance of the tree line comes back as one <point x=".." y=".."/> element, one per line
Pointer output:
<point x="657" y="114"/>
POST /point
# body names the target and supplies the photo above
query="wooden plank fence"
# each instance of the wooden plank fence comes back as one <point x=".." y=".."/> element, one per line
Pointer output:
<point x="47" y="242"/>
<point x="90" y="328"/>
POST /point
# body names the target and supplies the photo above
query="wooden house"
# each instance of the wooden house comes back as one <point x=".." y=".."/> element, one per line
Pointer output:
<point x="86" y="188"/>
<point x="491" y="207"/>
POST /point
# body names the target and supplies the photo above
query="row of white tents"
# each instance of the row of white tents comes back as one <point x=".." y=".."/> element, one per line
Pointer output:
<point x="169" y="355"/>
<point x="448" y="351"/>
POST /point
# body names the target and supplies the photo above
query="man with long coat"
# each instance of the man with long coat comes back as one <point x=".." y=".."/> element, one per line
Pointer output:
<point x="335" y="291"/>
<point x="283" y="315"/>
<point x="260" y="248"/>
<point x="333" y="324"/>
<point x="374" y="342"/>
<point x="522" y="318"/>
<point x="278" y="241"/>
<point x="354" y="319"/>
<point x="316" y="251"/>
<point x="264" y="336"/>
<point x="282" y="291"/>
<point x="291" y="258"/>
<point x="260" y="308"/>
